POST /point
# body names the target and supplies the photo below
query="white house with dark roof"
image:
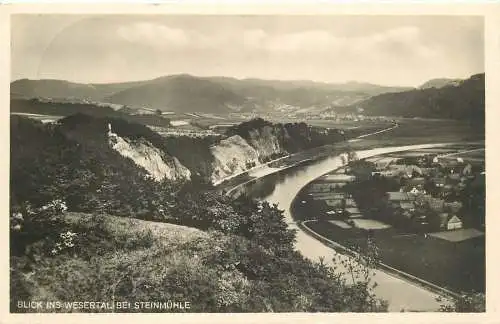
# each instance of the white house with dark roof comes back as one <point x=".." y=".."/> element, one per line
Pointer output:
<point x="449" y="222"/>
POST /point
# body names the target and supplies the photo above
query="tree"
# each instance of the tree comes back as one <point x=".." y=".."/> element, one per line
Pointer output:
<point x="358" y="275"/>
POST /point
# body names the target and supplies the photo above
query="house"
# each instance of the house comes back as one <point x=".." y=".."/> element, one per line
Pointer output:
<point x="407" y="205"/>
<point x="435" y="204"/>
<point x="318" y="187"/>
<point x="384" y="162"/>
<point x="338" y="177"/>
<point x="412" y="170"/>
<point x="439" y="182"/>
<point x="449" y="222"/>
<point x="415" y="182"/>
<point x="447" y="190"/>
<point x="334" y="202"/>
<point x="448" y="162"/>
<point x="448" y="187"/>
<point x="425" y="160"/>
<point x="328" y="195"/>
<point x="396" y="196"/>
<point x="386" y="173"/>
<point x="336" y="213"/>
<point x="416" y="191"/>
<point x="325" y="185"/>
<point x="397" y="167"/>
<point x="353" y="211"/>
<point x="428" y="171"/>
<point x="451" y="165"/>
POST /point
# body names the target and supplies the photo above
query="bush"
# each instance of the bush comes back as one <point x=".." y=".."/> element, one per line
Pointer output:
<point x="29" y="225"/>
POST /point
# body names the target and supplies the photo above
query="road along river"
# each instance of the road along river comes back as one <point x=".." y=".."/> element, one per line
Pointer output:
<point x="282" y="187"/>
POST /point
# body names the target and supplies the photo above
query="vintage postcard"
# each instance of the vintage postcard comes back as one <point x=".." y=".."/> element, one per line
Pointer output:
<point x="209" y="160"/>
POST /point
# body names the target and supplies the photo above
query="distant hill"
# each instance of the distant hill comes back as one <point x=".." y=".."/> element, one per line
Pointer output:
<point x="368" y="88"/>
<point x="182" y="93"/>
<point x="440" y="83"/>
<point x="464" y="101"/>
<point x="186" y="93"/>
<point x="60" y="89"/>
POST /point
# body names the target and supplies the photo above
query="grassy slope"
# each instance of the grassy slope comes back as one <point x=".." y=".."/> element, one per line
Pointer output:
<point x="98" y="261"/>
<point x="168" y="233"/>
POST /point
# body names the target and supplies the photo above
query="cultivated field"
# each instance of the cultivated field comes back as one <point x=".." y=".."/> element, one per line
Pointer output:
<point x="457" y="266"/>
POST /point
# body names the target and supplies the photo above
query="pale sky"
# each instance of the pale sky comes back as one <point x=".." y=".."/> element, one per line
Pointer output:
<point x="389" y="50"/>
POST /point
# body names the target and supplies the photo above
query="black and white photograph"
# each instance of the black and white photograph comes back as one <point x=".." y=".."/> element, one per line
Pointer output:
<point x="247" y="163"/>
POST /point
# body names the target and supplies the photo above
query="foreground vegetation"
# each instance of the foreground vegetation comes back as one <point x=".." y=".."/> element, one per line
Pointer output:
<point x="66" y="181"/>
<point x="226" y="255"/>
<point x="243" y="261"/>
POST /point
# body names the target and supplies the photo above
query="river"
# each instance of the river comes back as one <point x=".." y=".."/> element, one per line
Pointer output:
<point x="281" y="188"/>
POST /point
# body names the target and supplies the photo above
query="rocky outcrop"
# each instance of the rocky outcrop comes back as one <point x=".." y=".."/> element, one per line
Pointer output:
<point x="154" y="161"/>
<point x="232" y="156"/>
<point x="265" y="142"/>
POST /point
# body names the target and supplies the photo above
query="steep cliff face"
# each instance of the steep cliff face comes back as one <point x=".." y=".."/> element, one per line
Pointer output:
<point x="258" y="141"/>
<point x="153" y="160"/>
<point x="231" y="156"/>
<point x="266" y="141"/>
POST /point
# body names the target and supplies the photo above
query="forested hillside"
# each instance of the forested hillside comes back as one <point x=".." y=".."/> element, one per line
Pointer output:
<point x="464" y="101"/>
<point x="291" y="137"/>
<point x="76" y="160"/>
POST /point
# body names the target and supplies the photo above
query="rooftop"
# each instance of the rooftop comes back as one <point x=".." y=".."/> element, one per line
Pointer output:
<point x="416" y="181"/>
<point x="338" y="177"/>
<point x="458" y="235"/>
<point x="398" y="196"/>
<point x="407" y="205"/>
<point x="328" y="195"/>
<point x="353" y="210"/>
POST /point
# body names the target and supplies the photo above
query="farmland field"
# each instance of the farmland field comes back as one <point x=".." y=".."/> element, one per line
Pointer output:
<point x="457" y="266"/>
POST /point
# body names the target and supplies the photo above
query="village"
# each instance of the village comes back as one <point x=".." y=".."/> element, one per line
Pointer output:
<point x="417" y="191"/>
<point x="424" y="209"/>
